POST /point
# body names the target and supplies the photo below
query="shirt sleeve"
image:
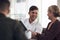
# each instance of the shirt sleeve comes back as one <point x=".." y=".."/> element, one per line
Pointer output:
<point x="39" y="28"/>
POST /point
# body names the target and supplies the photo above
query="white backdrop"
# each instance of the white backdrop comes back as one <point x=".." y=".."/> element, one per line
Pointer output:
<point x="20" y="10"/>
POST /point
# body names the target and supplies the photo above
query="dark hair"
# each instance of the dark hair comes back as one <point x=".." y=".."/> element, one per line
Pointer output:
<point x="4" y="4"/>
<point x="33" y="8"/>
<point x="55" y="10"/>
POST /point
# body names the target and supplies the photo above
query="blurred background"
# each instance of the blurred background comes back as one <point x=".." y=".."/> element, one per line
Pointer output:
<point x="19" y="9"/>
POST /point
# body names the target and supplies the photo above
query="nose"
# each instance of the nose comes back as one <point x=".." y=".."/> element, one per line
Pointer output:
<point x="34" y="14"/>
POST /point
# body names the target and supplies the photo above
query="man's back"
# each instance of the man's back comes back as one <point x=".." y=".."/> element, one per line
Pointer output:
<point x="10" y="29"/>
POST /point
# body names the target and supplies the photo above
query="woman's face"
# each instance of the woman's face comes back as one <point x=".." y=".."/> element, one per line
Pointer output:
<point x="50" y="13"/>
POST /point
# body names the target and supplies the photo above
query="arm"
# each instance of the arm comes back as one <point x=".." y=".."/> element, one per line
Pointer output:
<point x="51" y="34"/>
<point x="39" y="28"/>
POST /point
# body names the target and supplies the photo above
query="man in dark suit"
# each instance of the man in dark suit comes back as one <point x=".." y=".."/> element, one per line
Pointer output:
<point x="53" y="29"/>
<point x="9" y="29"/>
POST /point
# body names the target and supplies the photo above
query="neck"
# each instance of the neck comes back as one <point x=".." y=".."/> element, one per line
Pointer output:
<point x="53" y="20"/>
<point x="30" y="20"/>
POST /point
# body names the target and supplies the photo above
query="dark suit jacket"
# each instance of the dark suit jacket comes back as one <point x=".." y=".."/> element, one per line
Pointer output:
<point x="10" y="29"/>
<point x="52" y="34"/>
<point x="24" y="28"/>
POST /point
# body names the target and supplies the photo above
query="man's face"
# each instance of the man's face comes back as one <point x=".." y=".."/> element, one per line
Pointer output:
<point x="33" y="14"/>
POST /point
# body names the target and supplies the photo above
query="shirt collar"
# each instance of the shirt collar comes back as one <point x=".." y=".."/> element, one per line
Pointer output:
<point x="35" y="21"/>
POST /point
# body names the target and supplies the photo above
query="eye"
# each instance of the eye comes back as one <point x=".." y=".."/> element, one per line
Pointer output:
<point x="32" y="12"/>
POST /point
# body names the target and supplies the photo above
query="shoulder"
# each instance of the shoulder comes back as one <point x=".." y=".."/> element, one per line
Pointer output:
<point x="11" y="21"/>
<point x="38" y="23"/>
<point x="57" y="22"/>
<point x="25" y="20"/>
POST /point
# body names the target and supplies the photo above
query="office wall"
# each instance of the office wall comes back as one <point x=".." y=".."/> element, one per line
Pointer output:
<point x="20" y="10"/>
<point x="45" y="5"/>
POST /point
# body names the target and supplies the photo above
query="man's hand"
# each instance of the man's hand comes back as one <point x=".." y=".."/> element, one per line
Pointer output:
<point x="34" y="34"/>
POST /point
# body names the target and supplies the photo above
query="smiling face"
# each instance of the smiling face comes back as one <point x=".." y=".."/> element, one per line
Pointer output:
<point x="50" y="13"/>
<point x="53" y="12"/>
<point x="33" y="14"/>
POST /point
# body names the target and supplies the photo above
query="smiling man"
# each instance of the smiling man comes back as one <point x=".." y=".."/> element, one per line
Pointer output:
<point x="32" y="24"/>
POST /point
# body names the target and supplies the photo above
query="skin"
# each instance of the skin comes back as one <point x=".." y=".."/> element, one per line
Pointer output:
<point x="33" y="15"/>
<point x="51" y="15"/>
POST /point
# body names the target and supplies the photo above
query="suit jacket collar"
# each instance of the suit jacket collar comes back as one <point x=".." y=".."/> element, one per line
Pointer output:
<point x="53" y="23"/>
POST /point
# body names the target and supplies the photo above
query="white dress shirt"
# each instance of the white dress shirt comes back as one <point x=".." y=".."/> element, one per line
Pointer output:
<point x="35" y="26"/>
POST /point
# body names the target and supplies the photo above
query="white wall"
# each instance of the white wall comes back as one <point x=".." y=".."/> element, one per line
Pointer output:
<point x="21" y="9"/>
<point x="37" y="3"/>
<point x="45" y="5"/>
